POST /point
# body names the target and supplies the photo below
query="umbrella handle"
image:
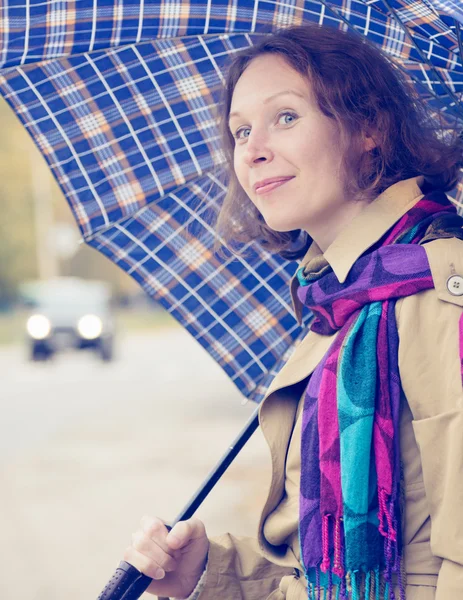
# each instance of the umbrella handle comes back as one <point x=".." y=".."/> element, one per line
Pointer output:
<point x="126" y="580"/>
<point x="128" y="583"/>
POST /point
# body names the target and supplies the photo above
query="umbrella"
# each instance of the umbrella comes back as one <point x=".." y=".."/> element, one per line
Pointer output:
<point x="120" y="96"/>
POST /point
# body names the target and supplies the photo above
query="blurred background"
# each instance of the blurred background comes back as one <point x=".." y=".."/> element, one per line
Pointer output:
<point x="110" y="410"/>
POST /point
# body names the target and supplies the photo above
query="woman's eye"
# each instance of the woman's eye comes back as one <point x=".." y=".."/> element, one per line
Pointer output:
<point x="292" y="116"/>
<point x="237" y="135"/>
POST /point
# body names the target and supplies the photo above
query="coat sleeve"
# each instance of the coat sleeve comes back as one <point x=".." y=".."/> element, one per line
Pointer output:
<point x="236" y="570"/>
<point x="430" y="362"/>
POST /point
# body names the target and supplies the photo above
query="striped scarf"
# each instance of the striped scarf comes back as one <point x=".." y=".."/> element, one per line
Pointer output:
<point x="350" y="525"/>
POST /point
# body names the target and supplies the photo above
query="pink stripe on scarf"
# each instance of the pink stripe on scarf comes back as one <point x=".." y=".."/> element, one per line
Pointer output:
<point x="328" y="426"/>
<point x="383" y="427"/>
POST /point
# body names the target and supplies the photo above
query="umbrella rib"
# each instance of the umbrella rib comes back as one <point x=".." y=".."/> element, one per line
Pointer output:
<point x="94" y="19"/>
<point x="449" y="109"/>
<point x="460" y="41"/>
<point x="457" y="114"/>
<point x="208" y="16"/>
<point x="423" y="57"/>
<point x="411" y="75"/>
<point x="140" y="21"/>
<point x="27" y="32"/>
<point x="254" y="16"/>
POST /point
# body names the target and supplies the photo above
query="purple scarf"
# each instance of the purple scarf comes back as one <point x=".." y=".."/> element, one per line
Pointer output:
<point x="350" y="526"/>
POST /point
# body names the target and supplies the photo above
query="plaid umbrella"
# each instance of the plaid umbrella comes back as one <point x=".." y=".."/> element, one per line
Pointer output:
<point x="120" y="97"/>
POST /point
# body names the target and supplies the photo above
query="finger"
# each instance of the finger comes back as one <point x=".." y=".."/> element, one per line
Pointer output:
<point x="149" y="548"/>
<point x="184" y="532"/>
<point x="156" y="530"/>
<point x="144" y="564"/>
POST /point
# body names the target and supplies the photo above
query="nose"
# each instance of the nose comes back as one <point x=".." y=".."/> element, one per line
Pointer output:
<point x="257" y="149"/>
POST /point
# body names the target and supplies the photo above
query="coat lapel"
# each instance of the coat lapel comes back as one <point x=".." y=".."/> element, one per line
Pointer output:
<point x="278" y="410"/>
<point x="302" y="362"/>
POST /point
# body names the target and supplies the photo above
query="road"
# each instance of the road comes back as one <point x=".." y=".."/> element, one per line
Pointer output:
<point x="87" y="448"/>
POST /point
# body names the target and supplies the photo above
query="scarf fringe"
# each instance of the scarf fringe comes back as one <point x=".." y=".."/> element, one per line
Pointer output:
<point x="386" y="513"/>
<point x="357" y="585"/>
<point x="338" y="566"/>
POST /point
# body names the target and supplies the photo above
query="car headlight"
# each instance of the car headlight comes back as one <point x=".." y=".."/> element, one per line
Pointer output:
<point x="38" y="327"/>
<point x="90" y="327"/>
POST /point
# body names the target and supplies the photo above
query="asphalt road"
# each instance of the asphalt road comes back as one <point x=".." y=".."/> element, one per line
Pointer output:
<point x="86" y="449"/>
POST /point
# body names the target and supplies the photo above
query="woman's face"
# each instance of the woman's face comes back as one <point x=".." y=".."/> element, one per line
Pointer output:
<point x="280" y="132"/>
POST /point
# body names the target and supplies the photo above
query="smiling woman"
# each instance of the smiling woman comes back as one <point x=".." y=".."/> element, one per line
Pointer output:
<point x="330" y="150"/>
<point x="293" y="147"/>
<point x="350" y="128"/>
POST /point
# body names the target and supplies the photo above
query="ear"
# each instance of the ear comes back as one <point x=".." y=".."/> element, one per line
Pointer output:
<point x="369" y="142"/>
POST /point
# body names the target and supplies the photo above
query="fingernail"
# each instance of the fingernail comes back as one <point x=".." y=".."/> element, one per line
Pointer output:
<point x="159" y="574"/>
<point x="174" y="538"/>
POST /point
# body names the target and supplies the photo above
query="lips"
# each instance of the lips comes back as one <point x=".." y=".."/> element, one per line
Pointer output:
<point x="271" y="184"/>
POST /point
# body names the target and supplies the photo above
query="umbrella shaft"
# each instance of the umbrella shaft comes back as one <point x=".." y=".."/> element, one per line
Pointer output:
<point x="128" y="583"/>
<point x="220" y="468"/>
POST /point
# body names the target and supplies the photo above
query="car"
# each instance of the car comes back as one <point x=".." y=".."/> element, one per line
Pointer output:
<point x="68" y="312"/>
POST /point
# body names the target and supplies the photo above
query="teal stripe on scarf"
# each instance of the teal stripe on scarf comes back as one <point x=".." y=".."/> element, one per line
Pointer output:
<point x="356" y="401"/>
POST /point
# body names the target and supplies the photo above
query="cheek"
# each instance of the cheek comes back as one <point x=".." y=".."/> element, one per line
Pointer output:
<point x="239" y="169"/>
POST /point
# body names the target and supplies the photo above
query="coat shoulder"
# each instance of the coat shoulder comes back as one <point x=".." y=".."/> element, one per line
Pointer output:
<point x="445" y="258"/>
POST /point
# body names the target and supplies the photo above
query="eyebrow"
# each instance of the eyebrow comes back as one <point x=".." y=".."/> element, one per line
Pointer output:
<point x="267" y="100"/>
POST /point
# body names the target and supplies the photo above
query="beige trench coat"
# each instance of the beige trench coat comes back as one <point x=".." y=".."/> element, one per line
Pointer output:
<point x="431" y="432"/>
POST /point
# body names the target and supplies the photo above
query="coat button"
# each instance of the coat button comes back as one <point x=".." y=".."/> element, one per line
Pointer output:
<point x="455" y="285"/>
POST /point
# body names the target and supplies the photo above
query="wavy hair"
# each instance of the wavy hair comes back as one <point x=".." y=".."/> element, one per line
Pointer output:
<point x="361" y="89"/>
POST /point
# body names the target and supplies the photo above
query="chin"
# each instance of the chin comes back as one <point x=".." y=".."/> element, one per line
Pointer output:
<point x="281" y="226"/>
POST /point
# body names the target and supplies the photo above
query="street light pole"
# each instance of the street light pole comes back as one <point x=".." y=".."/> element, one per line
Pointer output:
<point x="47" y="263"/>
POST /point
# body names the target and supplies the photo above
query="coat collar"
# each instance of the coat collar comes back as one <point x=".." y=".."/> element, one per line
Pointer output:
<point x="363" y="231"/>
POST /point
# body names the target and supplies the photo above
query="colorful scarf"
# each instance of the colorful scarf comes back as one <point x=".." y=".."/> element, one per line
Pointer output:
<point x="350" y="526"/>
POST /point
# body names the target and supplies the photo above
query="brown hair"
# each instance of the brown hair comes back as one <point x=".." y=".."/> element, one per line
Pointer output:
<point x="361" y="89"/>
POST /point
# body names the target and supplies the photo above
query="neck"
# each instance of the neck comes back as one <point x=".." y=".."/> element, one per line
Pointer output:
<point x="329" y="227"/>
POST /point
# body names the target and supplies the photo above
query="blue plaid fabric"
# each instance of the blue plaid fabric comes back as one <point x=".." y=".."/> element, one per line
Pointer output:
<point x="121" y="97"/>
<point x="239" y="310"/>
<point x="453" y="8"/>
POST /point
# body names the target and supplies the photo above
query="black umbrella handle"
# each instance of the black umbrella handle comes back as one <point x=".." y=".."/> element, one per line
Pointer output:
<point x="128" y="583"/>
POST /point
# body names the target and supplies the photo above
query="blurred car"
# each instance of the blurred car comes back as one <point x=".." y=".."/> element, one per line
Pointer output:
<point x="68" y="312"/>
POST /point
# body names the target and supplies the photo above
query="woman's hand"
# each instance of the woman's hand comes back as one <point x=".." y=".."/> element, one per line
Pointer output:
<point x="174" y="559"/>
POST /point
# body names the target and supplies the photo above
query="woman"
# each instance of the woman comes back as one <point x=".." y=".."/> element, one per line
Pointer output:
<point x="332" y="152"/>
